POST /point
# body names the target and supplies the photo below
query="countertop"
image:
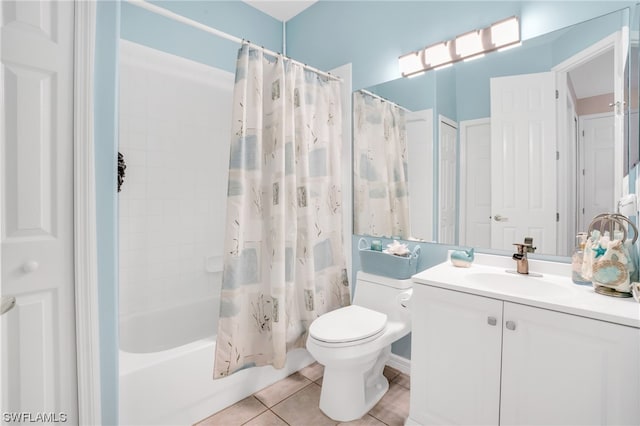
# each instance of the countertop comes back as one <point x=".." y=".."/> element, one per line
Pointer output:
<point x="554" y="290"/>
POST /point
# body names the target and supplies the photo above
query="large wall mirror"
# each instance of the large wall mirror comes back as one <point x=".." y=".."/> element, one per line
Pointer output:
<point x="528" y="142"/>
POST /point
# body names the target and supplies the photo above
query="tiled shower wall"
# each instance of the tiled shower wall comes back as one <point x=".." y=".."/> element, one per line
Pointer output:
<point x="175" y="120"/>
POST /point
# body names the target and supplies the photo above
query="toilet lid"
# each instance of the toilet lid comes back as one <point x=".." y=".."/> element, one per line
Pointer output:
<point x="347" y="324"/>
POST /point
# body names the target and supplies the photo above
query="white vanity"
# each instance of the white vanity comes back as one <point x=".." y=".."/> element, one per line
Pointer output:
<point x="494" y="348"/>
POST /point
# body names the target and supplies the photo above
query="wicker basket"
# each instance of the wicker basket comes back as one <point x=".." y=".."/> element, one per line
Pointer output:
<point x="387" y="265"/>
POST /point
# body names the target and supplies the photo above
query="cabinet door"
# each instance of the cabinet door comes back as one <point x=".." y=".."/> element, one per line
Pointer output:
<point x="564" y="369"/>
<point x="455" y="353"/>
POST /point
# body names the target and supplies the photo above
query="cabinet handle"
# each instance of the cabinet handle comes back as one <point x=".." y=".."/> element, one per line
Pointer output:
<point x="492" y="320"/>
<point x="511" y="325"/>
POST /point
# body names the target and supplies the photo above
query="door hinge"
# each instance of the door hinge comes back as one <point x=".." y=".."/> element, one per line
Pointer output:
<point x="583" y="133"/>
<point x="557" y="94"/>
<point x="557" y="155"/>
<point x="557" y="217"/>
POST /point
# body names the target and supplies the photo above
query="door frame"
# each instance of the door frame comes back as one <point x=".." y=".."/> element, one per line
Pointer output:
<point x="617" y="41"/>
<point x="85" y="235"/>
<point x="462" y="222"/>
<point x="85" y="240"/>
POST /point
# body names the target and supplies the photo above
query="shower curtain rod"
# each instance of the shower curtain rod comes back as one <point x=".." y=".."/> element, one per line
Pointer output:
<point x="184" y="20"/>
<point x="384" y="100"/>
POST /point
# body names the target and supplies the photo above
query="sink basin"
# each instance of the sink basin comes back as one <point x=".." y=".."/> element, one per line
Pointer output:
<point x="519" y="285"/>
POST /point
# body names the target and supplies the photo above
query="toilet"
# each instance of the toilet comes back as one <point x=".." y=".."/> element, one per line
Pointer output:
<point x="354" y="344"/>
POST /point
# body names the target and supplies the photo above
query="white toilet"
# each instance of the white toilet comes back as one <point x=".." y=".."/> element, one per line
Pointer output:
<point x="354" y="344"/>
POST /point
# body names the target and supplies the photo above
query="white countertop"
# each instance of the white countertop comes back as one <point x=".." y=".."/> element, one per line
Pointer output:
<point x="555" y="290"/>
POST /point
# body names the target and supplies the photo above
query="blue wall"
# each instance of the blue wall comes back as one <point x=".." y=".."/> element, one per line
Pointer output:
<point x="378" y="32"/>
<point x="106" y="135"/>
<point x="233" y="17"/>
<point x="473" y="78"/>
<point x="416" y="93"/>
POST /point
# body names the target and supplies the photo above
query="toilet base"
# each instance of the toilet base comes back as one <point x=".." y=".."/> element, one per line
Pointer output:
<point x="348" y="393"/>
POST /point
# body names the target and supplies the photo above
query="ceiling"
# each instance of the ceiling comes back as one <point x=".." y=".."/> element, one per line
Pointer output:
<point x="595" y="77"/>
<point x="281" y="10"/>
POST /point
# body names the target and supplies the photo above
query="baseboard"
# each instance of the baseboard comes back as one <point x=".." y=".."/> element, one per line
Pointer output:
<point x="399" y="363"/>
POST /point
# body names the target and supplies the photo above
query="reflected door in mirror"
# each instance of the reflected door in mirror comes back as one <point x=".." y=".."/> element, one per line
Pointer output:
<point x="523" y="159"/>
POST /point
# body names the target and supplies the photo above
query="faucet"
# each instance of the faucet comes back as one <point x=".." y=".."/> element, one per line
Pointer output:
<point x="521" y="258"/>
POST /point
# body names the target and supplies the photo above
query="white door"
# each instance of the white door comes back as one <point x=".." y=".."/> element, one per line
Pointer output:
<point x="523" y="161"/>
<point x="38" y="335"/>
<point x="447" y="198"/>
<point x="597" y="177"/>
<point x="475" y="183"/>
<point x="560" y="369"/>
<point x="420" y="150"/>
<point x="457" y="378"/>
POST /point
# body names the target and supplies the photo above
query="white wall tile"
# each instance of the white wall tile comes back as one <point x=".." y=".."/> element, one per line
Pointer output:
<point x="174" y="134"/>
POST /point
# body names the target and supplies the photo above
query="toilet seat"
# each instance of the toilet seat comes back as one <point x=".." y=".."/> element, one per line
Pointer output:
<point x="348" y="325"/>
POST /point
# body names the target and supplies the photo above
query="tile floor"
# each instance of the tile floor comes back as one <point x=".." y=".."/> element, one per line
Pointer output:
<point x="294" y="401"/>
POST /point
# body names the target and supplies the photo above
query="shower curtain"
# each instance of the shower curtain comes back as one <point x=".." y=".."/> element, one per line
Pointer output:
<point x="284" y="264"/>
<point x="381" y="198"/>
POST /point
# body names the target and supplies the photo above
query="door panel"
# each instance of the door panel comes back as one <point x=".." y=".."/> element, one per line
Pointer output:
<point x="523" y="161"/>
<point x="582" y="371"/>
<point x="38" y="334"/>
<point x="447" y="183"/>
<point x="457" y="381"/>
<point x="597" y="149"/>
<point x="420" y="149"/>
<point x="475" y="191"/>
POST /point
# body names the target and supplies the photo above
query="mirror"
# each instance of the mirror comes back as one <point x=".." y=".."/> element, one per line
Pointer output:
<point x="632" y="95"/>
<point x="526" y="142"/>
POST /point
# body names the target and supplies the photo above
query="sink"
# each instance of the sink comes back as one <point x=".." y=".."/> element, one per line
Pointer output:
<point x="518" y="285"/>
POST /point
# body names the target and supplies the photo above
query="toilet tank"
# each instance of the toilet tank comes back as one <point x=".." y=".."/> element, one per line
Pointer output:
<point x="380" y="294"/>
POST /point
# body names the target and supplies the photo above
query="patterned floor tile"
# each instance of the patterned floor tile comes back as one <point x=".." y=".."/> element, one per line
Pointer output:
<point x="266" y="419"/>
<point x="393" y="408"/>
<point x="366" y="420"/>
<point x="313" y="372"/>
<point x="278" y="391"/>
<point x="303" y="408"/>
<point x="403" y="380"/>
<point x="390" y="373"/>
<point x="237" y="414"/>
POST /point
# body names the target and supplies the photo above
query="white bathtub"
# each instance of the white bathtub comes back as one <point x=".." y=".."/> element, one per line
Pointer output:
<point x="174" y="386"/>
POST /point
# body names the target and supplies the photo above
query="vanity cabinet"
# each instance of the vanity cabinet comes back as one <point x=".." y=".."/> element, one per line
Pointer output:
<point x="479" y="360"/>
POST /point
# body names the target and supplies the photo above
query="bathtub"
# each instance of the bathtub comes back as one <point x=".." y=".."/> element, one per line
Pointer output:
<point x="165" y="380"/>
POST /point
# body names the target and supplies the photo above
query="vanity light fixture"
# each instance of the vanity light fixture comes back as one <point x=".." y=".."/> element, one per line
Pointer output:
<point x="438" y="54"/>
<point x="411" y="64"/>
<point x="505" y="33"/>
<point x="471" y="45"/>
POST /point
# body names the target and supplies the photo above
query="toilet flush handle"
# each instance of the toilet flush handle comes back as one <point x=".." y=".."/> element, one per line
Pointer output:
<point x="404" y="298"/>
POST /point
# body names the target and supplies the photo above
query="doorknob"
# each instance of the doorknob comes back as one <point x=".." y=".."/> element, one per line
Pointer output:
<point x="7" y="303"/>
<point x="499" y="218"/>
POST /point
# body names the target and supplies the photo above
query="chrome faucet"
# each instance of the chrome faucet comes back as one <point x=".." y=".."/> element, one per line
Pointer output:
<point x="521" y="258"/>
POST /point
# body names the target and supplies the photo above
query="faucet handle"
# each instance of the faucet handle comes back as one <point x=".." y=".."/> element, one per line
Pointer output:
<point x="523" y="248"/>
<point x="530" y="248"/>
